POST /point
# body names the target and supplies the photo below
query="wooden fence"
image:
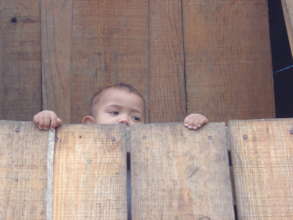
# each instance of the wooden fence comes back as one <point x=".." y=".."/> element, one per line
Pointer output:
<point x="79" y="172"/>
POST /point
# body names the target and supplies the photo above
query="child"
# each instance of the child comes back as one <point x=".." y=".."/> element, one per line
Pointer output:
<point x="117" y="104"/>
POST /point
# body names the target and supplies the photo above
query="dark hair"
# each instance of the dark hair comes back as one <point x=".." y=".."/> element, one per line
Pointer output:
<point x="128" y="87"/>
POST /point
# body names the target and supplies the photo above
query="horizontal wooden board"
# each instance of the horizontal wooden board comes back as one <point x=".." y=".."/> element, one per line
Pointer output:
<point x="23" y="171"/>
<point x="262" y="152"/>
<point x="90" y="173"/>
<point x="180" y="174"/>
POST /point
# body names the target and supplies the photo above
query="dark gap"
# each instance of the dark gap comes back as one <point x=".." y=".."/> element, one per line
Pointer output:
<point x="232" y="185"/>
<point x="229" y="158"/>
<point x="41" y="10"/>
<point x="281" y="58"/>
<point x="128" y="183"/>
<point x="235" y="212"/>
<point x="184" y="57"/>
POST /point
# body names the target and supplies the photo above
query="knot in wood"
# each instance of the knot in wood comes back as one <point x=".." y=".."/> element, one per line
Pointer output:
<point x="13" y="20"/>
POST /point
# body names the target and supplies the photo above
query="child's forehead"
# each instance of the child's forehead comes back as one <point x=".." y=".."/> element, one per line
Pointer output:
<point x="117" y="94"/>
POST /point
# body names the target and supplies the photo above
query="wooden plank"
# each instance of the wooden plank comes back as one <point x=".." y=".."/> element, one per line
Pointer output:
<point x="56" y="56"/>
<point x="90" y="173"/>
<point x="109" y="45"/>
<point x="288" y="15"/>
<point x="20" y="61"/>
<point x="228" y="59"/>
<point x="23" y="171"/>
<point x="167" y="86"/>
<point x="262" y="152"/>
<point x="180" y="174"/>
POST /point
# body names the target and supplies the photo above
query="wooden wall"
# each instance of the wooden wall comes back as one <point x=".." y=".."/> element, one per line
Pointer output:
<point x="79" y="172"/>
<point x="184" y="56"/>
<point x="288" y="14"/>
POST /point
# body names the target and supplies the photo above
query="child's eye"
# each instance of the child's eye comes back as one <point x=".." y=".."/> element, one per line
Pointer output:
<point x="114" y="113"/>
<point x="135" y="118"/>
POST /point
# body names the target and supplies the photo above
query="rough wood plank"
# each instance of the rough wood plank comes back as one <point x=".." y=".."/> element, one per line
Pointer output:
<point x="56" y="56"/>
<point x="109" y="45"/>
<point x="167" y="86"/>
<point x="20" y="60"/>
<point x="288" y="15"/>
<point x="262" y="152"/>
<point x="228" y="59"/>
<point x="180" y="174"/>
<point x="90" y="173"/>
<point x="23" y="171"/>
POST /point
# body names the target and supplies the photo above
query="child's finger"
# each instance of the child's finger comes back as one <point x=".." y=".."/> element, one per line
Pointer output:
<point x="53" y="123"/>
<point x="45" y="123"/>
<point x="59" y="121"/>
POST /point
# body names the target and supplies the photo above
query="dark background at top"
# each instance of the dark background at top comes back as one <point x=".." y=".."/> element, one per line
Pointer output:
<point x="281" y="55"/>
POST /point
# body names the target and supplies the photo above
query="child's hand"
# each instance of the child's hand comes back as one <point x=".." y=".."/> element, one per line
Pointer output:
<point x="45" y="120"/>
<point x="195" y="121"/>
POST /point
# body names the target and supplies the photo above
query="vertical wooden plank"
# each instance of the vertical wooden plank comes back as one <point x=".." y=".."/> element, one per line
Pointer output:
<point x="288" y="15"/>
<point x="23" y="171"/>
<point x="20" y="61"/>
<point x="109" y="45"/>
<point x="180" y="174"/>
<point x="167" y="86"/>
<point x="90" y="173"/>
<point x="228" y="59"/>
<point x="56" y="56"/>
<point x="262" y="152"/>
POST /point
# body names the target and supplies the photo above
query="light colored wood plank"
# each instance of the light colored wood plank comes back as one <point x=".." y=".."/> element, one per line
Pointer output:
<point x="288" y="15"/>
<point x="166" y="76"/>
<point x="56" y="56"/>
<point x="109" y="45"/>
<point x="180" y="174"/>
<point x="20" y="60"/>
<point x="228" y="59"/>
<point x="262" y="152"/>
<point x="90" y="173"/>
<point x="23" y="171"/>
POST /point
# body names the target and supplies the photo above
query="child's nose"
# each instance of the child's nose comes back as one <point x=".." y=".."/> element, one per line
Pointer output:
<point x="124" y="120"/>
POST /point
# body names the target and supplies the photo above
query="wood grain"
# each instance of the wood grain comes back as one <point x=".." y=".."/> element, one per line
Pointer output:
<point x="90" y="173"/>
<point x="262" y="152"/>
<point x="166" y="77"/>
<point x="20" y="60"/>
<point x="180" y="174"/>
<point x="23" y="171"/>
<point x="56" y="56"/>
<point x="109" y="45"/>
<point x="288" y="14"/>
<point x="228" y="59"/>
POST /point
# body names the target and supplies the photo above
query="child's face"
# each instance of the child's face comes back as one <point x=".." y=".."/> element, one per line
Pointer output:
<point x="119" y="106"/>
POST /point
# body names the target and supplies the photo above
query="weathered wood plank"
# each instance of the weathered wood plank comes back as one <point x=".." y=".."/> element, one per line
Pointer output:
<point x="20" y="60"/>
<point x="109" y="45"/>
<point x="23" y="171"/>
<point x="166" y="76"/>
<point x="90" y="173"/>
<point x="56" y="56"/>
<point x="180" y="174"/>
<point x="262" y="152"/>
<point x="288" y="15"/>
<point x="228" y="59"/>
